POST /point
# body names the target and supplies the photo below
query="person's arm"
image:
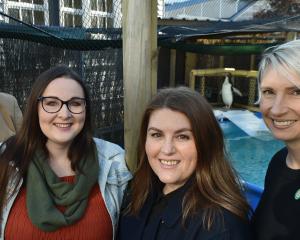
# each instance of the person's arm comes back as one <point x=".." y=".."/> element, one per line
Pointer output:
<point x="17" y="116"/>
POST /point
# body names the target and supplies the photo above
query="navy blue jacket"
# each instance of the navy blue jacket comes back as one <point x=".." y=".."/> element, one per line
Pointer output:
<point x="227" y="226"/>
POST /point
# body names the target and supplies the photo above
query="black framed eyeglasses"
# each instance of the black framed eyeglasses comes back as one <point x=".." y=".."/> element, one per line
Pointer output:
<point x="75" y="105"/>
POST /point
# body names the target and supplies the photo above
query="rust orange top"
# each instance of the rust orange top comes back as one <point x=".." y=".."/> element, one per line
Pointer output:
<point x="95" y="223"/>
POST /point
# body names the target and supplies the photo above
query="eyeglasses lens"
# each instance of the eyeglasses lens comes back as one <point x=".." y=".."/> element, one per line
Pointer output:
<point x="53" y="105"/>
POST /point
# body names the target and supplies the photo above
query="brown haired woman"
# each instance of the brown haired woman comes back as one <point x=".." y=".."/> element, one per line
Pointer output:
<point x="184" y="187"/>
<point x="56" y="180"/>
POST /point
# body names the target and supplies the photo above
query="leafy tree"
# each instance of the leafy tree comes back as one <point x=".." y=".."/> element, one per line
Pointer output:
<point x="280" y="8"/>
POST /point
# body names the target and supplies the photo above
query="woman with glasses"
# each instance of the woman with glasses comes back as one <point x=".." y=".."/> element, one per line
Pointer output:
<point x="184" y="187"/>
<point x="56" y="180"/>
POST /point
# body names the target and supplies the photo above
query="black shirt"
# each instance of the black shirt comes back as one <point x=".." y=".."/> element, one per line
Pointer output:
<point x="277" y="216"/>
<point x="161" y="219"/>
<point x="156" y="219"/>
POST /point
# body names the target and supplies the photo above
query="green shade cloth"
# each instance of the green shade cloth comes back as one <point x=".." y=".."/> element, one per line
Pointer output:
<point x="45" y="191"/>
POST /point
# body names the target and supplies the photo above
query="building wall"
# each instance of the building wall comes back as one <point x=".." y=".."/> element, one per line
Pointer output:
<point x="72" y="13"/>
<point x="160" y="8"/>
<point x="213" y="9"/>
<point x="1" y="9"/>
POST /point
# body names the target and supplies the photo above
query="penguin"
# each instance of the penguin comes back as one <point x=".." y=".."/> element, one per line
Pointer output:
<point x="227" y="92"/>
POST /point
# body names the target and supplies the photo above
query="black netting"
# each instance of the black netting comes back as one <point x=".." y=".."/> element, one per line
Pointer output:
<point x="22" y="61"/>
<point x="71" y="24"/>
<point x="85" y="35"/>
<point x="211" y="34"/>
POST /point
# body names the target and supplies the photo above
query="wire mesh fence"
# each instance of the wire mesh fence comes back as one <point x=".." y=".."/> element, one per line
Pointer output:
<point x="85" y="35"/>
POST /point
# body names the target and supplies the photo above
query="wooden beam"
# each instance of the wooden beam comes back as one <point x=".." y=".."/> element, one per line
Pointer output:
<point x="224" y="71"/>
<point x="221" y="61"/>
<point x="291" y="36"/>
<point x="192" y="80"/>
<point x="190" y="63"/>
<point x="172" y="67"/>
<point x="139" y="67"/>
<point x="252" y="62"/>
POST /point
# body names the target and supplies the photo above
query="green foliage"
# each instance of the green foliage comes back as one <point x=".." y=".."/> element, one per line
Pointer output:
<point x="280" y="8"/>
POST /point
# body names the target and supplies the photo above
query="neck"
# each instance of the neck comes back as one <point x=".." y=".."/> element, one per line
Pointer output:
<point x="59" y="160"/>
<point x="293" y="157"/>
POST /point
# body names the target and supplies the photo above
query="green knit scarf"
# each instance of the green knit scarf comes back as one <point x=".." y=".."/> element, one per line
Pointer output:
<point x="44" y="191"/>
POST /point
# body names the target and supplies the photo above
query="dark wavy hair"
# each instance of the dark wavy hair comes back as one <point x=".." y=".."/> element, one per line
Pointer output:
<point x="215" y="185"/>
<point x="17" y="151"/>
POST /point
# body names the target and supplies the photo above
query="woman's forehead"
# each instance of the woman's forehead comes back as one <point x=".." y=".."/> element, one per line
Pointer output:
<point x="283" y="73"/>
<point x="64" y="87"/>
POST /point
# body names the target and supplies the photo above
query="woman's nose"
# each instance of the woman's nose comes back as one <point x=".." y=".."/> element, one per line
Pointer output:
<point x="64" y="111"/>
<point x="279" y="105"/>
<point x="168" y="147"/>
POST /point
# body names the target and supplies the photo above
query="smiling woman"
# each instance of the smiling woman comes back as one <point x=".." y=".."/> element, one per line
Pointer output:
<point x="280" y="104"/>
<point x="57" y="122"/>
<point x="170" y="147"/>
<point x="184" y="187"/>
<point x="53" y="173"/>
<point x="276" y="216"/>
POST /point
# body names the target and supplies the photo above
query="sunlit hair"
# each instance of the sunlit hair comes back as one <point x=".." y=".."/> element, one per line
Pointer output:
<point x="18" y="151"/>
<point x="284" y="58"/>
<point x="214" y="183"/>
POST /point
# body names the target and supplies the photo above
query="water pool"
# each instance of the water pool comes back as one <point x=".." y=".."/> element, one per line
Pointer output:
<point x="249" y="156"/>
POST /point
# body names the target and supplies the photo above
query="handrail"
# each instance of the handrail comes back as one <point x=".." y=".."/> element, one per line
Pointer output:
<point x="219" y="72"/>
<point x="252" y="193"/>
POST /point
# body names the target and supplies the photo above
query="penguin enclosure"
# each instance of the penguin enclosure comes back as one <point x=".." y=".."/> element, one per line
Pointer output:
<point x="227" y="90"/>
<point x="203" y="61"/>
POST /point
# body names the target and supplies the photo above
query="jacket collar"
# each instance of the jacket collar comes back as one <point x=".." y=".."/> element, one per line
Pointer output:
<point x="173" y="212"/>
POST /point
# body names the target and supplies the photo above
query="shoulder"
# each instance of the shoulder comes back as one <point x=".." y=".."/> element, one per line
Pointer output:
<point x="225" y="225"/>
<point x="8" y="101"/>
<point x="107" y="149"/>
<point x="278" y="158"/>
<point x="233" y="221"/>
<point x="232" y="226"/>
<point x="7" y="96"/>
<point x="112" y="163"/>
<point x="276" y="164"/>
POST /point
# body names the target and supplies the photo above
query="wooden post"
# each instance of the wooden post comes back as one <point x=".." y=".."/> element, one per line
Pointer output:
<point x="252" y="83"/>
<point x="202" y="86"/>
<point x="139" y="67"/>
<point x="221" y="61"/>
<point x="291" y="36"/>
<point x="190" y="63"/>
<point x="192" y="80"/>
<point x="172" y="67"/>
<point x="252" y="62"/>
